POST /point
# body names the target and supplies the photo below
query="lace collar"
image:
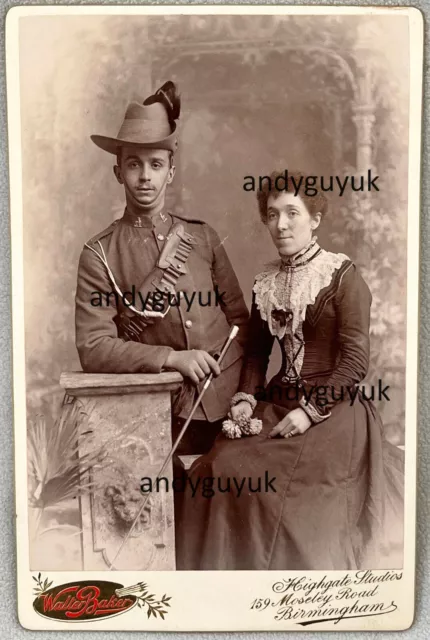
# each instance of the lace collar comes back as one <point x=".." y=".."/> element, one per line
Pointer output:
<point x="291" y="285"/>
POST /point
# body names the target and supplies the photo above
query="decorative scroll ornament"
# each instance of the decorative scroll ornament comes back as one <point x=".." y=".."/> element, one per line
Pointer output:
<point x="94" y="600"/>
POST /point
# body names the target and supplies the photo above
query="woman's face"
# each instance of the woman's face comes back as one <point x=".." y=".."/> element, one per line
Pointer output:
<point x="290" y="223"/>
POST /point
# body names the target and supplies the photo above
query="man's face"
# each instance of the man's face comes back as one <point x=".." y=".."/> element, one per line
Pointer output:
<point x="145" y="174"/>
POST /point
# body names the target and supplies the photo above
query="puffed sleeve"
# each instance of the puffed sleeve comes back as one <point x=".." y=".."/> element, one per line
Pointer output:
<point x="257" y="354"/>
<point x="225" y="279"/>
<point x="100" y="350"/>
<point x="352" y="303"/>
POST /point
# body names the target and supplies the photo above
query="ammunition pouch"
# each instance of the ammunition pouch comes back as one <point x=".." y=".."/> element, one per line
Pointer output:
<point x="159" y="286"/>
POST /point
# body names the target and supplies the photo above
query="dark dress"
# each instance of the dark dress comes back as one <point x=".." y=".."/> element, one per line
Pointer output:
<point x="339" y="487"/>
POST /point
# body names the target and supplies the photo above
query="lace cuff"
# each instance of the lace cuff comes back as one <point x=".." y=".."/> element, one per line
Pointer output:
<point x="312" y="412"/>
<point x="240" y="396"/>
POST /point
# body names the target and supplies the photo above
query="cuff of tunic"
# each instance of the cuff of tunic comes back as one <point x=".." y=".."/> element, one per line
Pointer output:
<point x="240" y="396"/>
<point x="158" y="360"/>
<point x="312" y="412"/>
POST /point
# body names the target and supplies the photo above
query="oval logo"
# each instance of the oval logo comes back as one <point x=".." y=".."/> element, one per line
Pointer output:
<point x="83" y="600"/>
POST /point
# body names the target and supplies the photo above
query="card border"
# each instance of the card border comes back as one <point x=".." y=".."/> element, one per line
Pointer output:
<point x="19" y="391"/>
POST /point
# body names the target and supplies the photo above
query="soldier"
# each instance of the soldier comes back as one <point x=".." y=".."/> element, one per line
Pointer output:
<point x="157" y="291"/>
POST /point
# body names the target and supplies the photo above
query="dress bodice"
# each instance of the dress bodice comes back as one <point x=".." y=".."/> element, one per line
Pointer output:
<point x="330" y="342"/>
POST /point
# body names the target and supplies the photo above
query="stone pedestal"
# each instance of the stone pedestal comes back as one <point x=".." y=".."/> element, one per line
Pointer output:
<point x="124" y="435"/>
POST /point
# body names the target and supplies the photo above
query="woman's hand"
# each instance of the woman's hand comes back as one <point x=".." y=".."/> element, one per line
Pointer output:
<point x="241" y="408"/>
<point x="295" y="422"/>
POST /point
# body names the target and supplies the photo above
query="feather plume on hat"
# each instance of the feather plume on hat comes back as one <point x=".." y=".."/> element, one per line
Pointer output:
<point x="168" y="95"/>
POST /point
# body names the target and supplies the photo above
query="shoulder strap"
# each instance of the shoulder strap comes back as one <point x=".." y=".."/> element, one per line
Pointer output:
<point x="161" y="280"/>
<point x="103" y="233"/>
<point x="193" y="220"/>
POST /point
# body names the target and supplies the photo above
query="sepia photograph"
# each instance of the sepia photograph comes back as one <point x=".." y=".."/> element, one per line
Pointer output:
<point x="215" y="219"/>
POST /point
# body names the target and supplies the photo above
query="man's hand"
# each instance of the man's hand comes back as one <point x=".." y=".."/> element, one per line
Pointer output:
<point x="295" y="422"/>
<point x="195" y="364"/>
<point x="241" y="408"/>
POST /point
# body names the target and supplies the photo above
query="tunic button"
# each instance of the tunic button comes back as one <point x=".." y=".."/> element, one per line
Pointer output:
<point x="188" y="324"/>
<point x="160" y="237"/>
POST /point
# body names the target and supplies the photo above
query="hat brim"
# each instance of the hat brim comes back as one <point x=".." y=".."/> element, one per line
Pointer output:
<point x="112" y="145"/>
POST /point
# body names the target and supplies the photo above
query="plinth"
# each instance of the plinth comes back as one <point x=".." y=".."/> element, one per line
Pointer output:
<point x="124" y="435"/>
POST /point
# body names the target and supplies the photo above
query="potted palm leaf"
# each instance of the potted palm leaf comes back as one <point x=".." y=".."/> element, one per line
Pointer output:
<point x="57" y="476"/>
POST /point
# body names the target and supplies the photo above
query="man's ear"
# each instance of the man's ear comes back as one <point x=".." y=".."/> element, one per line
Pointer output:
<point x="171" y="174"/>
<point x="315" y="222"/>
<point x="117" y="172"/>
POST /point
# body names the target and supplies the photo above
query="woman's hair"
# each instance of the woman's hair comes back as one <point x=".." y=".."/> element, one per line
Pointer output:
<point x="292" y="182"/>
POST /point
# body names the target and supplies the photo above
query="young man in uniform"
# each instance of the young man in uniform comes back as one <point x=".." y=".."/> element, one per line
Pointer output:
<point x="152" y="252"/>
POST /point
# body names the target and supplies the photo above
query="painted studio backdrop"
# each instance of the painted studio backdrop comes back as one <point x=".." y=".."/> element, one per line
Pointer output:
<point x="323" y="95"/>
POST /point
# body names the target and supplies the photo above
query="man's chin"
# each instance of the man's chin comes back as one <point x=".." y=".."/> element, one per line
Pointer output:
<point x="145" y="199"/>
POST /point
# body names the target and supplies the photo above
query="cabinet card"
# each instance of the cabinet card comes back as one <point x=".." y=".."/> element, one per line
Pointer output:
<point x="215" y="232"/>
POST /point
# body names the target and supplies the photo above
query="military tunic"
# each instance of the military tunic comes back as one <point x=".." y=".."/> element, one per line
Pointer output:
<point x="132" y="246"/>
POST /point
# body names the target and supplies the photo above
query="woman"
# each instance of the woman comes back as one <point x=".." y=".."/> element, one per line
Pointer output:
<point x="322" y="489"/>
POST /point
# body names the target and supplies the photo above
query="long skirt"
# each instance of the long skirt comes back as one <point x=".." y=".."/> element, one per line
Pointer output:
<point x="330" y="499"/>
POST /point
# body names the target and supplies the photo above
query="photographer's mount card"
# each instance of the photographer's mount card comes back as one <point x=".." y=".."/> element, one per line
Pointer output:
<point x="215" y="238"/>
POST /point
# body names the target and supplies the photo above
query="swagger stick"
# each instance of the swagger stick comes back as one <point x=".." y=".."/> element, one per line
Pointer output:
<point x="233" y="333"/>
